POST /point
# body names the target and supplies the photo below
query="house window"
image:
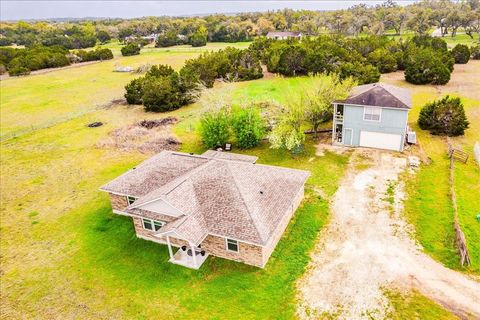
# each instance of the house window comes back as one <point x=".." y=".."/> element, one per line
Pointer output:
<point x="232" y="245"/>
<point x="372" y="114"/>
<point x="131" y="200"/>
<point x="152" y="225"/>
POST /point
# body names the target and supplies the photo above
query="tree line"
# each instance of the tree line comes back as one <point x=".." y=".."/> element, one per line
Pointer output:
<point x="387" y="18"/>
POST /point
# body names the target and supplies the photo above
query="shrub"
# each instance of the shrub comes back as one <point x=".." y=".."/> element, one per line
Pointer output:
<point x="93" y="55"/>
<point x="22" y="61"/>
<point x="461" y="53"/>
<point x="475" y="52"/>
<point x="103" y="36"/>
<point x="199" y="38"/>
<point x="3" y="69"/>
<point x="167" y="39"/>
<point x="162" y="70"/>
<point x="248" y="127"/>
<point x="425" y="65"/>
<point x="383" y="60"/>
<point x="444" y="117"/>
<point x="363" y="73"/>
<point x="18" y="71"/>
<point x="215" y="128"/>
<point x="134" y="91"/>
<point x="130" y="49"/>
<point x="161" y="94"/>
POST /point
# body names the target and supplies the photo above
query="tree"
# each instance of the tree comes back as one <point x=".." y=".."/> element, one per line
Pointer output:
<point x="134" y="91"/>
<point x="292" y="61"/>
<point x="317" y="98"/>
<point x="475" y="52"/>
<point x="215" y="128"/>
<point x="161" y="94"/>
<point x="264" y="25"/>
<point x="383" y="59"/>
<point x="420" y="21"/>
<point x="461" y="53"/>
<point x="363" y="72"/>
<point x="444" y="117"/>
<point x="424" y="65"/>
<point x="130" y="49"/>
<point x="103" y="36"/>
<point x="248" y="127"/>
<point x="199" y="38"/>
<point x="167" y="39"/>
<point x="288" y="133"/>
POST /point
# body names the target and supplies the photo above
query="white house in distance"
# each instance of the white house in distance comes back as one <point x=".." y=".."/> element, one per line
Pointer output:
<point x="374" y="115"/>
<point x="284" y="35"/>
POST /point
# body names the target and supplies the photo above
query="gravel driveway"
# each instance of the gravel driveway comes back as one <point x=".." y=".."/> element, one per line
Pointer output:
<point x="368" y="247"/>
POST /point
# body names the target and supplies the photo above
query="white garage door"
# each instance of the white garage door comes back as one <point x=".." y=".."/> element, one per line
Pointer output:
<point x="380" y="140"/>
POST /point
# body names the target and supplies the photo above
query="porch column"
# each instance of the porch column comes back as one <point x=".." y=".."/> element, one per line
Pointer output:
<point x="169" y="248"/>
<point x="194" y="255"/>
<point x="333" y="122"/>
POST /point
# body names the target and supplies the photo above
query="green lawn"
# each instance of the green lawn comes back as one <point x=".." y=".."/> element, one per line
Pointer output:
<point x="429" y="207"/>
<point x="39" y="101"/>
<point x="65" y="255"/>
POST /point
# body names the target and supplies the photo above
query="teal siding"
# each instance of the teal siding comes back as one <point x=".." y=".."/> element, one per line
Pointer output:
<point x="392" y="121"/>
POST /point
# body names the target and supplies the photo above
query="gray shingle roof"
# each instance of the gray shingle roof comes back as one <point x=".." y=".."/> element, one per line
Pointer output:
<point x="380" y="95"/>
<point x="229" y="198"/>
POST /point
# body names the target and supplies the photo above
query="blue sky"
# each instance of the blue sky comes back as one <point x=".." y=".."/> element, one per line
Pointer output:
<point x="14" y="10"/>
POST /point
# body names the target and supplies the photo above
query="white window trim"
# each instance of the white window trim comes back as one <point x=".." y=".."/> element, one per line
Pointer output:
<point x="365" y="111"/>
<point x="152" y="222"/>
<point x="128" y="200"/>
<point x="226" y="245"/>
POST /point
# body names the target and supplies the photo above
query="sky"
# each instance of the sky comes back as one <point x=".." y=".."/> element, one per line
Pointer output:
<point x="23" y="10"/>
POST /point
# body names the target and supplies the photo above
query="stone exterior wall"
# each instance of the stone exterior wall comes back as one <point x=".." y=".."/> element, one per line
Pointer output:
<point x="118" y="202"/>
<point x="248" y="253"/>
<point x="272" y="243"/>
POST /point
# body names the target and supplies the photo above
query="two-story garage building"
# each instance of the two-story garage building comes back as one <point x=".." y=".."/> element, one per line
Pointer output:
<point x="374" y="115"/>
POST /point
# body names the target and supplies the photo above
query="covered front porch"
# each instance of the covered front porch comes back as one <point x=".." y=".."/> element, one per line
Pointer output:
<point x="188" y="256"/>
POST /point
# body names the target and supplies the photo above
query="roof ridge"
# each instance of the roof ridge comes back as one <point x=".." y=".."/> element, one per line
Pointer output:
<point x="244" y="202"/>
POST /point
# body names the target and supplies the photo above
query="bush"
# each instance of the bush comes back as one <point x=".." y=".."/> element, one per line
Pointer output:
<point x="18" y="71"/>
<point x="93" y="55"/>
<point x="22" y="61"/>
<point x="215" y="128"/>
<point x="425" y="65"/>
<point x="363" y="73"/>
<point x="130" y="49"/>
<point x="248" y="127"/>
<point x="461" y="53"/>
<point x="161" y="94"/>
<point x="383" y="60"/>
<point x="162" y="70"/>
<point x="134" y="91"/>
<point x="167" y="39"/>
<point x="444" y="117"/>
<point x="475" y="52"/>
<point x="3" y="69"/>
<point x="199" y="38"/>
<point x="103" y="36"/>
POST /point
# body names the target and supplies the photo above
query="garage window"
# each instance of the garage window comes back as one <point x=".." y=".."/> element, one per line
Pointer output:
<point x="372" y="114"/>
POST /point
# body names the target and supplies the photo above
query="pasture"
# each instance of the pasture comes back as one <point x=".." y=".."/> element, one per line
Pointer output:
<point x="65" y="255"/>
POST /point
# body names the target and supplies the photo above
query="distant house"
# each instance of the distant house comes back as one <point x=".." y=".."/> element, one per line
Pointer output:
<point x="374" y="115"/>
<point x="220" y="204"/>
<point x="284" y="35"/>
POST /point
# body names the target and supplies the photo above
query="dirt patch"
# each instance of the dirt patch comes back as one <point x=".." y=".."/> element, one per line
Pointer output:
<point x="368" y="247"/>
<point x="147" y="136"/>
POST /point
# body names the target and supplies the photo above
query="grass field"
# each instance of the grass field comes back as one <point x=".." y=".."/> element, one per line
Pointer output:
<point x="43" y="100"/>
<point x="65" y="255"/>
<point x="429" y="207"/>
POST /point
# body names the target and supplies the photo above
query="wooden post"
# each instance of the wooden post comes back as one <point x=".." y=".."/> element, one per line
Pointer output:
<point x="459" y="235"/>
<point x="169" y="248"/>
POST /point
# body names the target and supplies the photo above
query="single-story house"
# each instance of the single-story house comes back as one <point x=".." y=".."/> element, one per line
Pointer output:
<point x="284" y="35"/>
<point x="218" y="203"/>
<point x="373" y="115"/>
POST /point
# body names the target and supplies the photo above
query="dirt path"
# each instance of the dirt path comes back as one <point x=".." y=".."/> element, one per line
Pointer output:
<point x="367" y="247"/>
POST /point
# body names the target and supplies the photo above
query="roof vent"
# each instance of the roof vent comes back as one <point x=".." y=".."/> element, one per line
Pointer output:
<point x="261" y="192"/>
<point x="191" y="153"/>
